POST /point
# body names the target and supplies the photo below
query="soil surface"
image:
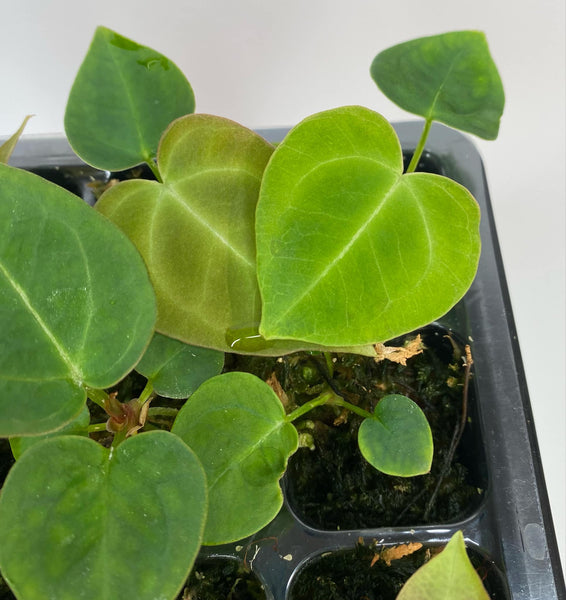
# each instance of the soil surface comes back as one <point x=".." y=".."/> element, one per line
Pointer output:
<point x="215" y="579"/>
<point x="356" y="575"/>
<point x="330" y="486"/>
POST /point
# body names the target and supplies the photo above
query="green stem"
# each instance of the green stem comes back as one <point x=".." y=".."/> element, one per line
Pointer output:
<point x="96" y="427"/>
<point x="329" y="363"/>
<point x="420" y="147"/>
<point x="308" y="406"/>
<point x="146" y="393"/>
<point x="328" y="398"/>
<point x="97" y="396"/>
<point x="353" y="408"/>
<point x="154" y="169"/>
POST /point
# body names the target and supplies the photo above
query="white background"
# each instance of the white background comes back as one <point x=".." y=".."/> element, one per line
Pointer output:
<point x="267" y="63"/>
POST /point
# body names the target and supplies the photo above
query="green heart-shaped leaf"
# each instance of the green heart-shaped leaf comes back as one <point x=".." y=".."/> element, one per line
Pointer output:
<point x="80" y="521"/>
<point x="195" y="230"/>
<point x="448" y="576"/>
<point x="123" y="98"/>
<point x="351" y="251"/>
<point x="76" y="305"/>
<point x="398" y="440"/>
<point x="236" y="425"/>
<point x="449" y="78"/>
<point x="176" y="369"/>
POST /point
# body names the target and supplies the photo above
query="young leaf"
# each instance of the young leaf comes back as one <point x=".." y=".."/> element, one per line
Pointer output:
<point x="122" y="100"/>
<point x="195" y="231"/>
<point x="351" y="251"/>
<point x="76" y="305"/>
<point x="236" y="426"/>
<point x="398" y="440"/>
<point x="449" y="78"/>
<point x="176" y="369"/>
<point x="78" y="426"/>
<point x="80" y="521"/>
<point x="8" y="146"/>
<point x="448" y="576"/>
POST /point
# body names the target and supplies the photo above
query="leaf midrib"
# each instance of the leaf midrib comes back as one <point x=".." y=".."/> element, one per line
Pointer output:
<point x="236" y="461"/>
<point x="335" y="261"/>
<point x="181" y="201"/>
<point x="455" y="59"/>
<point x="74" y="372"/>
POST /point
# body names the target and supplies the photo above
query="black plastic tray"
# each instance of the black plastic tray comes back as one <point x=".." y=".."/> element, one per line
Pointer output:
<point x="513" y="525"/>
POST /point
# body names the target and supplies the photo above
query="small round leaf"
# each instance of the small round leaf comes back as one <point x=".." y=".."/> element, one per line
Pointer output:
<point x="398" y="440"/>
<point x="236" y="425"/>
<point x="80" y="521"/>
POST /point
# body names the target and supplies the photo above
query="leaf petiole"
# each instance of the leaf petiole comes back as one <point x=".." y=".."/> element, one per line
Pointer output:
<point x="98" y="396"/>
<point x="154" y="169"/>
<point x="331" y="398"/>
<point x="420" y="147"/>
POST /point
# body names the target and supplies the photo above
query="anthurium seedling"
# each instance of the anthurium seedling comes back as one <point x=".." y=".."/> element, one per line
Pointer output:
<point x="323" y="244"/>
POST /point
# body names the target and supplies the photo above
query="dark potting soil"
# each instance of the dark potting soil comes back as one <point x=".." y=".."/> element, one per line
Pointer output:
<point x="356" y="574"/>
<point x="330" y="486"/>
<point x="216" y="578"/>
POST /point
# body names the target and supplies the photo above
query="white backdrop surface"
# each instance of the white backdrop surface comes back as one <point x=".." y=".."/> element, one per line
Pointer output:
<point x="266" y="63"/>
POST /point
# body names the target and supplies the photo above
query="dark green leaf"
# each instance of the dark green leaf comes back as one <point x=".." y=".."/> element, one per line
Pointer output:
<point x="123" y="98"/>
<point x="398" y="440"/>
<point x="176" y="369"/>
<point x="448" y="576"/>
<point x="76" y="305"/>
<point x="80" y="521"/>
<point x="350" y="251"/>
<point x="78" y="426"/>
<point x="236" y="425"/>
<point x="449" y="78"/>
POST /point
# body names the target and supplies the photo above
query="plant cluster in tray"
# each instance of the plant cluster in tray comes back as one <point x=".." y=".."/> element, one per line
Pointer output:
<point x="324" y="244"/>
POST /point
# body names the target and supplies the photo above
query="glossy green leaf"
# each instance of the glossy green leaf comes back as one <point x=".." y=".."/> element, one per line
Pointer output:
<point x="78" y="426"/>
<point x="449" y="78"/>
<point x="351" y="251"/>
<point x="76" y="305"/>
<point x="236" y="425"/>
<point x="8" y="146"/>
<point x="123" y="98"/>
<point x="398" y="440"/>
<point x="176" y="369"/>
<point x="448" y="576"/>
<point x="80" y="521"/>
